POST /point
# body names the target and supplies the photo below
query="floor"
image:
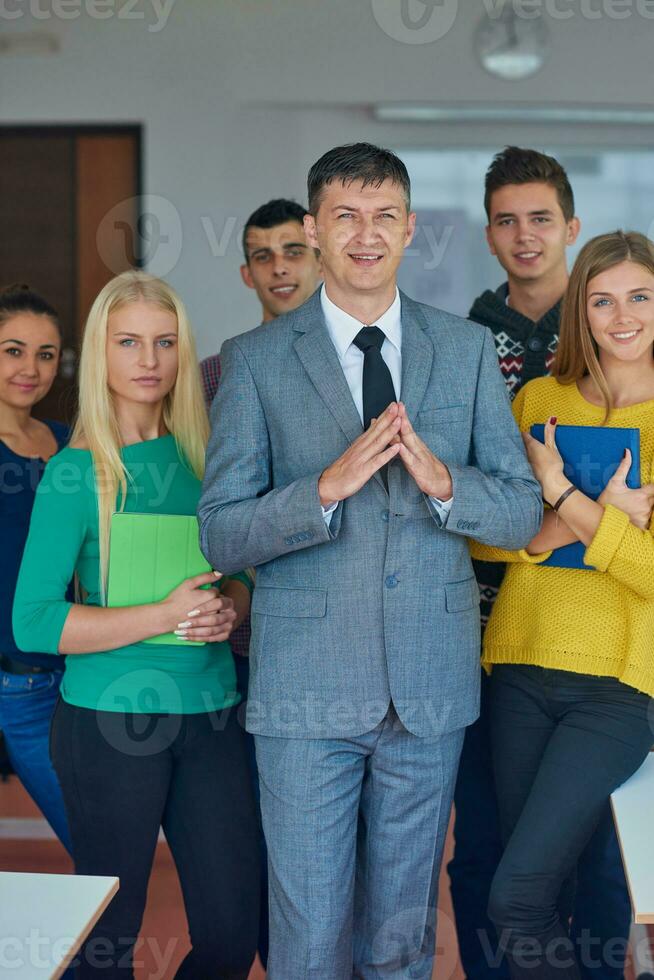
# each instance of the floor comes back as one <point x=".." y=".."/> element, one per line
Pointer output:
<point x="164" y="938"/>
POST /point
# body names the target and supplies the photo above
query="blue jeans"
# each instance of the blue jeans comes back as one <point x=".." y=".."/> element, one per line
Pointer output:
<point x="602" y="911"/>
<point x="26" y="705"/>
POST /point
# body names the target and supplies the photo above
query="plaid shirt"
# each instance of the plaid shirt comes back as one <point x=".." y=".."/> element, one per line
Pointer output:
<point x="210" y="372"/>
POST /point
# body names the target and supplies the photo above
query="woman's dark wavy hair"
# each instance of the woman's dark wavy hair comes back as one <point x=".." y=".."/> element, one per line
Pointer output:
<point x="19" y="298"/>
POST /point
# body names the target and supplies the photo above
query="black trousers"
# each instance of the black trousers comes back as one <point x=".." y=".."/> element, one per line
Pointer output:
<point x="562" y="742"/>
<point x="602" y="909"/>
<point x="123" y="776"/>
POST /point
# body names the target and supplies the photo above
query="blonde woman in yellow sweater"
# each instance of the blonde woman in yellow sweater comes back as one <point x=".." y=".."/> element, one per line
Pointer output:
<point x="571" y="649"/>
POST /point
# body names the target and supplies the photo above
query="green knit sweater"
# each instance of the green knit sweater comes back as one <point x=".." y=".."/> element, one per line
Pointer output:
<point x="63" y="539"/>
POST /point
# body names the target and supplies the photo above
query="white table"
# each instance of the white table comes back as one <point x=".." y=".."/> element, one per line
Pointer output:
<point x="633" y="809"/>
<point x="45" y="918"/>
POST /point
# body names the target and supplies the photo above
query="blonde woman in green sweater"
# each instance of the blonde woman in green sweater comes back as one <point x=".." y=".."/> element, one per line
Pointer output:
<point x="144" y="735"/>
<point x="570" y="649"/>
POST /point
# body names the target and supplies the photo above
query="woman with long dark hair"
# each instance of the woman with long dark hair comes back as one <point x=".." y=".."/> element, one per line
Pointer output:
<point x="30" y="346"/>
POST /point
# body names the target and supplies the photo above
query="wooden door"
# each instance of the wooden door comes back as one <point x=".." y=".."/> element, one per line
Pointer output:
<point x="57" y="187"/>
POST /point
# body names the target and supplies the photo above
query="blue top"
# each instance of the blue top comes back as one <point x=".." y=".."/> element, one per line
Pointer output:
<point x="19" y="478"/>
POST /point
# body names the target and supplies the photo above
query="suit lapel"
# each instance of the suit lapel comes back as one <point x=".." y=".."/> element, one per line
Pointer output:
<point x="320" y="360"/>
<point x="417" y="357"/>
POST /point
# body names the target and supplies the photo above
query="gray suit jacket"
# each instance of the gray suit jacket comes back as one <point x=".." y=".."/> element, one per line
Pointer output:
<point x="382" y="604"/>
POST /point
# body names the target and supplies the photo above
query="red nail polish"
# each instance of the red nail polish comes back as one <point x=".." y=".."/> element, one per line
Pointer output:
<point x="552" y="419"/>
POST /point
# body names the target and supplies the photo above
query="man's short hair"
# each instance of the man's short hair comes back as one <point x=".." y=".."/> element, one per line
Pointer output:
<point x="276" y="212"/>
<point x="357" y="161"/>
<point x="514" y="165"/>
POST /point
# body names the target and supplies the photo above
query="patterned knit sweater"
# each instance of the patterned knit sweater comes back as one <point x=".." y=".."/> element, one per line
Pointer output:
<point x="525" y="349"/>
<point x="590" y="622"/>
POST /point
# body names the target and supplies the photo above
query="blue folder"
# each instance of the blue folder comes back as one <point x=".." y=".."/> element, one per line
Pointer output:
<point x="591" y="455"/>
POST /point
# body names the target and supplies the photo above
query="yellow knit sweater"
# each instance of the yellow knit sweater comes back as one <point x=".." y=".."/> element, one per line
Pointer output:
<point x="590" y="622"/>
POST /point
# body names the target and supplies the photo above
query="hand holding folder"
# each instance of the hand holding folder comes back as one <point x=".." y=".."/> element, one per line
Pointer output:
<point x="149" y="556"/>
<point x="591" y="455"/>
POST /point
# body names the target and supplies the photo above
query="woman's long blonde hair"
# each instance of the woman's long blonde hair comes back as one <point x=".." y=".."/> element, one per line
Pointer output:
<point x="577" y="354"/>
<point x="184" y="412"/>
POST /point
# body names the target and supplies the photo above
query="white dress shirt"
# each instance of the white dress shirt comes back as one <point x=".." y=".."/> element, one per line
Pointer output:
<point x="342" y="329"/>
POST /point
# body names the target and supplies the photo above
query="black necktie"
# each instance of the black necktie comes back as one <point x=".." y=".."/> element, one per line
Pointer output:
<point x="378" y="390"/>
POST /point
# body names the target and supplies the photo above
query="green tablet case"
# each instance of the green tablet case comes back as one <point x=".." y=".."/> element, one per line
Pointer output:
<point x="149" y="556"/>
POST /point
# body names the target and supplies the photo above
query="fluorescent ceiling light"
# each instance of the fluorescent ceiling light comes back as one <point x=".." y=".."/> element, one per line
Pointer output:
<point x="519" y="114"/>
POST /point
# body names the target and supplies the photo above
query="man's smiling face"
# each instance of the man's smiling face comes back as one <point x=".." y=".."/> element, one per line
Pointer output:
<point x="527" y="230"/>
<point x="281" y="267"/>
<point x="361" y="233"/>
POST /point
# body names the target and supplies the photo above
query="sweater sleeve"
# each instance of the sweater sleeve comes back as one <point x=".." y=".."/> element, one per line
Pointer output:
<point x="484" y="552"/>
<point x="56" y="534"/>
<point x="624" y="552"/>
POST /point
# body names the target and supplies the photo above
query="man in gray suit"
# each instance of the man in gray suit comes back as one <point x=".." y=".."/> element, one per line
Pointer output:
<point x="356" y="443"/>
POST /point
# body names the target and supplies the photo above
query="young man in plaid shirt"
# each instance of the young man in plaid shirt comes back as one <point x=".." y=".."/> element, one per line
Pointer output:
<point x="279" y="265"/>
<point x="284" y="271"/>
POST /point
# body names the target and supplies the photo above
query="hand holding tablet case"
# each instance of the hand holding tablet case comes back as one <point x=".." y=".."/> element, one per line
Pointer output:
<point x="149" y="556"/>
<point x="591" y="455"/>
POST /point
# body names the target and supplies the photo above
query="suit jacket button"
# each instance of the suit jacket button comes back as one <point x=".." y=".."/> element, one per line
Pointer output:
<point x="391" y="581"/>
<point x="384" y="516"/>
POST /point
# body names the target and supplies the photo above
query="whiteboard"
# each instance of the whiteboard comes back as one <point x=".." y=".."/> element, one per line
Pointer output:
<point x="633" y="809"/>
<point x="45" y="918"/>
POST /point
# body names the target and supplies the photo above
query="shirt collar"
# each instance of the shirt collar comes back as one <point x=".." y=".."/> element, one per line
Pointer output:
<point x="343" y="328"/>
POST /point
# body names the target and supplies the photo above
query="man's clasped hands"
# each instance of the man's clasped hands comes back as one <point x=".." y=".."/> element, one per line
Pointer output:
<point x="388" y="436"/>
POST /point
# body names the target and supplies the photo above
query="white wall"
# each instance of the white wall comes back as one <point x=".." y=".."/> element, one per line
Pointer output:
<point x="239" y="97"/>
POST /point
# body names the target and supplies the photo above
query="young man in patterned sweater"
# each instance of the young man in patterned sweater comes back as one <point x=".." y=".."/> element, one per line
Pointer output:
<point x="531" y="222"/>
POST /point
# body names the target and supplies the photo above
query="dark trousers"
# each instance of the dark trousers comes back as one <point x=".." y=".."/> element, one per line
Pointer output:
<point x="242" y="665"/>
<point x="562" y="742"/>
<point x="477" y="850"/>
<point x="123" y="776"/>
<point x="601" y="915"/>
